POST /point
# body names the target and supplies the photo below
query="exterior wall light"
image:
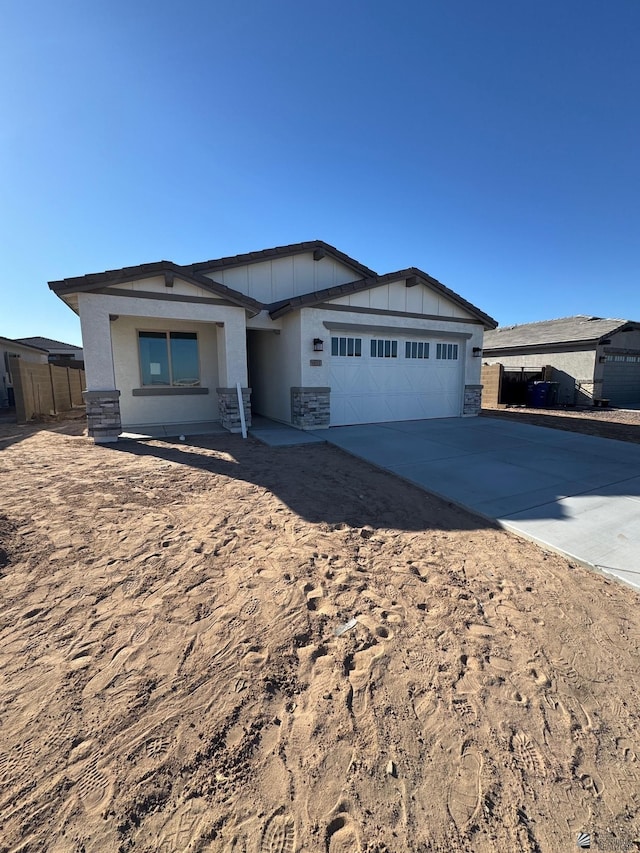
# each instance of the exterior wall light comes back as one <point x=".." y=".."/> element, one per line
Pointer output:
<point x="318" y="345"/>
<point x="477" y="352"/>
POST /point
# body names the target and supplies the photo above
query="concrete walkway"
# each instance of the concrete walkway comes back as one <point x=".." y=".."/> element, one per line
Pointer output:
<point x="573" y="493"/>
<point x="141" y="432"/>
<point x="281" y="435"/>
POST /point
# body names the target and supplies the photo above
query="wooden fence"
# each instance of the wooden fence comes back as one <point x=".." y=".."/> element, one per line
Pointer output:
<point x="45" y="389"/>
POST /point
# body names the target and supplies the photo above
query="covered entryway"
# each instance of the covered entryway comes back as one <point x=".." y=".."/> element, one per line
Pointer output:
<point x="375" y="378"/>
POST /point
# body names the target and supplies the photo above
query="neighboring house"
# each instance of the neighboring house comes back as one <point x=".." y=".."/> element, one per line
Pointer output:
<point x="313" y="338"/>
<point x="8" y="348"/>
<point x="66" y="355"/>
<point x="591" y="358"/>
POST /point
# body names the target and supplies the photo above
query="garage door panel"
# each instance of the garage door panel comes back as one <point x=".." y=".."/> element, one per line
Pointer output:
<point x="369" y="389"/>
<point x="621" y="382"/>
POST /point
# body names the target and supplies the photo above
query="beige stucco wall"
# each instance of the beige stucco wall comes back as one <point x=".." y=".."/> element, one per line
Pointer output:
<point x="111" y="356"/>
<point x="281" y="278"/>
<point x="275" y="368"/>
<point x="161" y="409"/>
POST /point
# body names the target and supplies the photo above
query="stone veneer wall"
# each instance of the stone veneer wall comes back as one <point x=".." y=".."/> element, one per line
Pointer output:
<point x="229" y="409"/>
<point x="310" y="408"/>
<point x="472" y="399"/>
<point x="103" y="415"/>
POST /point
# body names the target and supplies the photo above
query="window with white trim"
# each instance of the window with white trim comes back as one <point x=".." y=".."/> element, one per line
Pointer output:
<point x="384" y="349"/>
<point x="415" y="349"/>
<point x="169" y="358"/>
<point x="447" y="351"/>
<point x="347" y="347"/>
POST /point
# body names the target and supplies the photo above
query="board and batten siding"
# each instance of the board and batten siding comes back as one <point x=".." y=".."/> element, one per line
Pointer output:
<point x="156" y="284"/>
<point x="396" y="296"/>
<point x="281" y="278"/>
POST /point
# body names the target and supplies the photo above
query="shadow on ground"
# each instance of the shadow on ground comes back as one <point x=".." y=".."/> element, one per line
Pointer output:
<point x="13" y="433"/>
<point x="318" y="482"/>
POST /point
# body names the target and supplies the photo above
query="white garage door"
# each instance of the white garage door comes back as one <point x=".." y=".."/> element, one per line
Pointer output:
<point x="375" y="379"/>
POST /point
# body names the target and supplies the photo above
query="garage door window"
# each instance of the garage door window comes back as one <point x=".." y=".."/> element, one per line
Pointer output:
<point x="384" y="349"/>
<point x="447" y="351"/>
<point x="346" y="346"/>
<point x="413" y="349"/>
<point x="629" y="359"/>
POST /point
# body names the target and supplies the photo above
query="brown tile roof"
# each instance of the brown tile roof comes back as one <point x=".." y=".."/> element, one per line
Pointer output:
<point x="277" y="309"/>
<point x="579" y="329"/>
<point x="195" y="274"/>
<point x="97" y="281"/>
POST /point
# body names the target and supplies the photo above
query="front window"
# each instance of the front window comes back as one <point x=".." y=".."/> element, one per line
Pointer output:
<point x="169" y="358"/>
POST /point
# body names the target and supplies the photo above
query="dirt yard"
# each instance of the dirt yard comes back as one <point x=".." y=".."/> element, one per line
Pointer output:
<point x="177" y="673"/>
<point x="620" y="424"/>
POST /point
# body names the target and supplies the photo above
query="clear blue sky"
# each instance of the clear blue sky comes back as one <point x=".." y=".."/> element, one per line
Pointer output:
<point x="493" y="143"/>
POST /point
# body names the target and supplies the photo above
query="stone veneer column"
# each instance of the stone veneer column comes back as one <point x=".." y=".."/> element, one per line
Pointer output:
<point x="310" y="407"/>
<point x="229" y="409"/>
<point x="472" y="399"/>
<point x="103" y="415"/>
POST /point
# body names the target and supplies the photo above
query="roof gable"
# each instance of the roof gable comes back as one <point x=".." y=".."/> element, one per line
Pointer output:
<point x="199" y="274"/>
<point x="411" y="276"/>
<point x="319" y="248"/>
<point x="97" y="282"/>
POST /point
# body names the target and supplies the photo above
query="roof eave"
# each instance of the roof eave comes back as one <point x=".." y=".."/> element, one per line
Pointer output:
<point x="520" y="349"/>
<point x="487" y="321"/>
<point x="20" y="344"/>
<point x="98" y="281"/>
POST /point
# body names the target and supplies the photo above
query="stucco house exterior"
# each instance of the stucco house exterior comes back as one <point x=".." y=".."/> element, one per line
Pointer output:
<point x="9" y="348"/>
<point x="591" y="358"/>
<point x="313" y="337"/>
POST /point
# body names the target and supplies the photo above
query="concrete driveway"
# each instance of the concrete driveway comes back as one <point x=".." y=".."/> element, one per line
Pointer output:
<point x="573" y="493"/>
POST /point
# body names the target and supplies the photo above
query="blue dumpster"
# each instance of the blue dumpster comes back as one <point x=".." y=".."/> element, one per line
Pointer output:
<point x="538" y="394"/>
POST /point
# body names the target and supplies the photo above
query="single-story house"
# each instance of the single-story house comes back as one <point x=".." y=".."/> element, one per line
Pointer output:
<point x="8" y="348"/>
<point x="66" y="355"/>
<point x="312" y="337"/>
<point x="591" y="358"/>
